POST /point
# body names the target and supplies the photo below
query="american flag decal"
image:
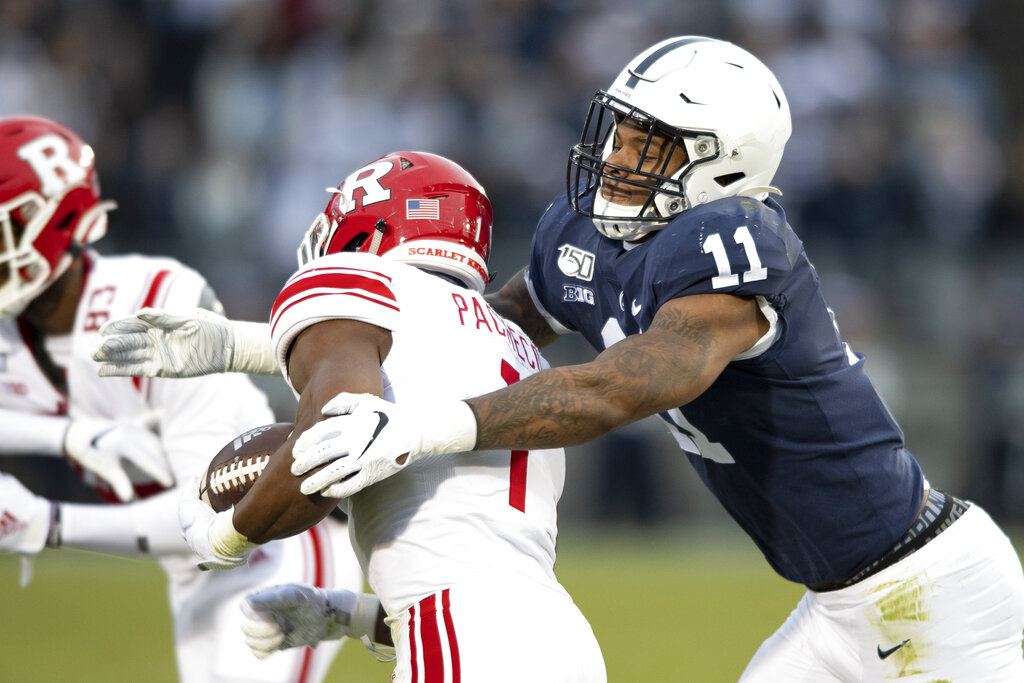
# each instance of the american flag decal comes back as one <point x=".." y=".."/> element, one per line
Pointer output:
<point x="423" y="208"/>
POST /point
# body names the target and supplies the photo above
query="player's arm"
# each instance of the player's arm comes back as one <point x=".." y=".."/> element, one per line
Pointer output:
<point x="325" y="359"/>
<point x="98" y="445"/>
<point x="143" y="528"/>
<point x="689" y="343"/>
<point x="158" y="343"/>
<point x="296" y="615"/>
<point x="513" y="302"/>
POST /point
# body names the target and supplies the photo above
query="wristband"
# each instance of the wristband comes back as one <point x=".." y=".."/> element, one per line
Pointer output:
<point x="253" y="349"/>
<point x="53" y="535"/>
<point x="448" y="427"/>
<point x="225" y="540"/>
<point x="363" y="621"/>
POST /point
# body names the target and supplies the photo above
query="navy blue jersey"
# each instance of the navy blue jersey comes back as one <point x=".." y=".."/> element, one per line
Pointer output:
<point x="795" y="442"/>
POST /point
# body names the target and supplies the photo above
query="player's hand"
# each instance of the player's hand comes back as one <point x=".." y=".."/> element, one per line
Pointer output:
<point x="154" y="343"/>
<point x="24" y="517"/>
<point x="102" y="446"/>
<point x="368" y="439"/>
<point x="294" y="615"/>
<point x="210" y="534"/>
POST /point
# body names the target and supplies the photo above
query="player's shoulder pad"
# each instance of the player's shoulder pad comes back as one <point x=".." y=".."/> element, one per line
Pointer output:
<point x="737" y="245"/>
<point x="555" y="216"/>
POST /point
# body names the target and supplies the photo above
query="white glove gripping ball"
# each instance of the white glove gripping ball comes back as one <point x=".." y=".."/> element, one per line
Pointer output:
<point x="368" y="439"/>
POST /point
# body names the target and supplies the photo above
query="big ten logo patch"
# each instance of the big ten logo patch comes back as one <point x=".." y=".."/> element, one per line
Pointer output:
<point x="575" y="262"/>
<point x="578" y="293"/>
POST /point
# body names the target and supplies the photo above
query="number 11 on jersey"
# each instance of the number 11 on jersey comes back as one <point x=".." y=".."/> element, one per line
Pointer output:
<point x="714" y="245"/>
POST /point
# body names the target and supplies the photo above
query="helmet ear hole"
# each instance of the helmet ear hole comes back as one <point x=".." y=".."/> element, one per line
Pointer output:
<point x="67" y="221"/>
<point x="729" y="178"/>
<point x="356" y="242"/>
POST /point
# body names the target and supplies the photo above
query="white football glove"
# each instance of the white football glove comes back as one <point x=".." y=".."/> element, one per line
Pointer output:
<point x="297" y="615"/>
<point x="209" y="533"/>
<point x="367" y="436"/>
<point x="154" y="343"/>
<point x="100" y="446"/>
<point x="24" y="517"/>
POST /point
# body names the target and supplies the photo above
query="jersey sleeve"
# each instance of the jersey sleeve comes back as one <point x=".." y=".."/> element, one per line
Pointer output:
<point x="542" y="246"/>
<point x="337" y="287"/>
<point x="738" y="246"/>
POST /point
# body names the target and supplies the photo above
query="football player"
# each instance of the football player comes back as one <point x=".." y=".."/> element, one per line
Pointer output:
<point x="459" y="550"/>
<point x="133" y="440"/>
<point x="705" y="310"/>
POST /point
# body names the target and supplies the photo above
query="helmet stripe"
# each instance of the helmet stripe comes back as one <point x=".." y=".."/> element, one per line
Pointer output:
<point x="636" y="73"/>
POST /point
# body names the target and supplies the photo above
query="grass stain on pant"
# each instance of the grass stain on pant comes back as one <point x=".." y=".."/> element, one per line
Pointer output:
<point x="902" y="609"/>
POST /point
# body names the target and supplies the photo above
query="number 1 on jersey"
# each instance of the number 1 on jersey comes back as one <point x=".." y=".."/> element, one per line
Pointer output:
<point x="517" y="466"/>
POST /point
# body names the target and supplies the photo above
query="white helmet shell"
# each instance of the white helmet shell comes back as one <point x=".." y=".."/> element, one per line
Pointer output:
<point x="713" y="97"/>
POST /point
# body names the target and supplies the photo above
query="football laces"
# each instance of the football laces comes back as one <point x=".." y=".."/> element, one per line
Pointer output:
<point x="237" y="474"/>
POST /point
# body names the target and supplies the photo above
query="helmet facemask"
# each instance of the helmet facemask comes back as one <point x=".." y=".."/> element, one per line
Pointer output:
<point x="24" y="272"/>
<point x="589" y="168"/>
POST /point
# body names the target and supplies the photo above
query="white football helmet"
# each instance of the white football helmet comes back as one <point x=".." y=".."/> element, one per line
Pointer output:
<point x="713" y="98"/>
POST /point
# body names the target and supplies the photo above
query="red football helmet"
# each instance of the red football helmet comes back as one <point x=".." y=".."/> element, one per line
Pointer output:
<point x="50" y="204"/>
<point x="414" y="207"/>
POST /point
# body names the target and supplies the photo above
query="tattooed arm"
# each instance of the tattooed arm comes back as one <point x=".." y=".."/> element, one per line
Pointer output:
<point x="689" y="343"/>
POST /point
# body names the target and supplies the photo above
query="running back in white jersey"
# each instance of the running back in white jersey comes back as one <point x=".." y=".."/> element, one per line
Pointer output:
<point x="453" y="518"/>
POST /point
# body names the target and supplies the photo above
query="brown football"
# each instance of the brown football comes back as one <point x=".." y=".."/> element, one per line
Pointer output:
<point x="280" y="509"/>
<point x="237" y="465"/>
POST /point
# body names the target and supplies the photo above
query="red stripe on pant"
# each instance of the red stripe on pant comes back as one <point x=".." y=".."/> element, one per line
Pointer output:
<point x="425" y="636"/>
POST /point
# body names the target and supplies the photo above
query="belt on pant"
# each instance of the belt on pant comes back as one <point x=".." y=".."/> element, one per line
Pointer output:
<point x="939" y="512"/>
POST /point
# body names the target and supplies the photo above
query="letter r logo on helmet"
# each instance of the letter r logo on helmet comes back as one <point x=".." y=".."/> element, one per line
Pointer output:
<point x="50" y="158"/>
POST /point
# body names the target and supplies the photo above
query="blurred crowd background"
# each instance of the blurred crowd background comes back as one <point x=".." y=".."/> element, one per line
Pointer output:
<point x="218" y="123"/>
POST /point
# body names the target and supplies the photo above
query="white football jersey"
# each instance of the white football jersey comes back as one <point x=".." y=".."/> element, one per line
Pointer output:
<point x="196" y="416"/>
<point x="448" y="518"/>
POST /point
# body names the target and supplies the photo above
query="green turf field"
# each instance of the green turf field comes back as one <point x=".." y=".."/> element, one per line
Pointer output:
<point x="690" y="607"/>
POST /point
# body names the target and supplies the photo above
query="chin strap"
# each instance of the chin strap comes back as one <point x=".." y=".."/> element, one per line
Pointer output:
<point x="378" y="235"/>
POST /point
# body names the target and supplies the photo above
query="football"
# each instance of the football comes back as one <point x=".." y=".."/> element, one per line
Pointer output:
<point x="237" y="465"/>
<point x="279" y="508"/>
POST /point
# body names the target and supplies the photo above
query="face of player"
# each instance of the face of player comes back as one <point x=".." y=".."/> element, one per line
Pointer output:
<point x="634" y="147"/>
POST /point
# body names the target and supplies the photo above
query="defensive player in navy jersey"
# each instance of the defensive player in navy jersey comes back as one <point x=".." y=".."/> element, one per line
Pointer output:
<point x="705" y="310"/>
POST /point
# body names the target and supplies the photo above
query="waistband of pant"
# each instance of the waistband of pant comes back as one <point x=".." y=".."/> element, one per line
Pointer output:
<point x="940" y="510"/>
